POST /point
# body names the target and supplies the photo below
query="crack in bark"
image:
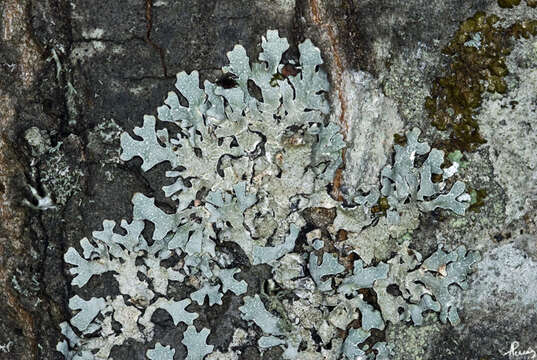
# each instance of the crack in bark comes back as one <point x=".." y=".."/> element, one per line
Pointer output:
<point x="51" y="304"/>
<point x="13" y="221"/>
<point x="339" y="68"/>
<point x="149" y="27"/>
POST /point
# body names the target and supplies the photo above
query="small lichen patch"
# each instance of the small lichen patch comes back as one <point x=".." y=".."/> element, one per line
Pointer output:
<point x="195" y="343"/>
<point x="160" y="352"/>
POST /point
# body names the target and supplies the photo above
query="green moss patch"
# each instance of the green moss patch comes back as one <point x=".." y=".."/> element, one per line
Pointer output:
<point x="478" y="50"/>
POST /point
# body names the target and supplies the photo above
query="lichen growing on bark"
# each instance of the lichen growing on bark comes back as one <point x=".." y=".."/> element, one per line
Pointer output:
<point x="244" y="165"/>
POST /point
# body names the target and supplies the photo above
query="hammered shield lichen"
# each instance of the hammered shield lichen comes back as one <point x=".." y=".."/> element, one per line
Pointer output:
<point x="242" y="168"/>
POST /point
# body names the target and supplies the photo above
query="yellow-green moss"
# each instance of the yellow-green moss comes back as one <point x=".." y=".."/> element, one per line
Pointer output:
<point x="511" y="3"/>
<point x="524" y="29"/>
<point x="508" y="3"/>
<point x="478" y="50"/>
